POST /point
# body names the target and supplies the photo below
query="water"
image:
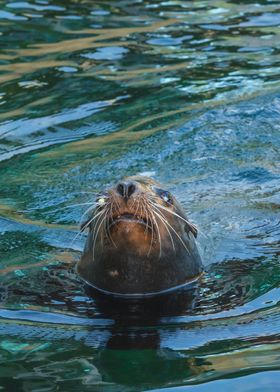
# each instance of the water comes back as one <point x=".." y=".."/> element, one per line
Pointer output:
<point x="188" y="93"/>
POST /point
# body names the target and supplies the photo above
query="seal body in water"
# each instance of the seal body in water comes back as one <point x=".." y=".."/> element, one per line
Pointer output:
<point x="140" y="242"/>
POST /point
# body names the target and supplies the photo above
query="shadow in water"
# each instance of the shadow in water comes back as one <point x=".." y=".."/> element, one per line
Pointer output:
<point x="193" y="334"/>
<point x="145" y="311"/>
<point x="133" y="351"/>
<point x="136" y="352"/>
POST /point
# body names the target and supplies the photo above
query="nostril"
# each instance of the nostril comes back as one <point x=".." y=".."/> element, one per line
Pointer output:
<point x="130" y="189"/>
<point x="121" y="189"/>
<point x="126" y="189"/>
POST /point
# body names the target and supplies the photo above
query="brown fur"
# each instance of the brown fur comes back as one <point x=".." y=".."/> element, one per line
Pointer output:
<point x="139" y="240"/>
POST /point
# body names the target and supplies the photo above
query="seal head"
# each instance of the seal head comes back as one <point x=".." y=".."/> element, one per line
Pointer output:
<point x="140" y="242"/>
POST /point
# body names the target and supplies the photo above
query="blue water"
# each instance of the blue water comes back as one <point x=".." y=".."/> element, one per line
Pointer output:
<point x="187" y="93"/>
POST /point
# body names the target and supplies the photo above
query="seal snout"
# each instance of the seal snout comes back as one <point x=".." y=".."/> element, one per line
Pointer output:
<point x="128" y="206"/>
<point x="126" y="189"/>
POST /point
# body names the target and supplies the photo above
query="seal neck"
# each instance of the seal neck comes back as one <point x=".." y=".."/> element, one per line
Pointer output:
<point x="146" y="295"/>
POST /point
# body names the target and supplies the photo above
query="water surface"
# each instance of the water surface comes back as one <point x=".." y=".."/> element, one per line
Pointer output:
<point x="187" y="93"/>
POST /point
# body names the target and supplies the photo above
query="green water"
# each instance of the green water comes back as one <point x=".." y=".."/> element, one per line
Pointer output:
<point x="188" y="93"/>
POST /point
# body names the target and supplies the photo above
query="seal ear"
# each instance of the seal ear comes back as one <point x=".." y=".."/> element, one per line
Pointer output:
<point x="189" y="227"/>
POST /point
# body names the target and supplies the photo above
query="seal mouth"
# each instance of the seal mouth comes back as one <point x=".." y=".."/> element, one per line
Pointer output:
<point x="130" y="218"/>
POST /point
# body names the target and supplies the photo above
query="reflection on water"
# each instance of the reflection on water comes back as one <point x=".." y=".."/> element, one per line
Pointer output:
<point x="188" y="93"/>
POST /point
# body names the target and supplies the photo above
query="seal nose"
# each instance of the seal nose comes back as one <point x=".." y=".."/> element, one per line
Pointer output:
<point x="126" y="189"/>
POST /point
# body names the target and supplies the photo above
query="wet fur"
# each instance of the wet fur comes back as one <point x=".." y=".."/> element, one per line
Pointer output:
<point x="139" y="244"/>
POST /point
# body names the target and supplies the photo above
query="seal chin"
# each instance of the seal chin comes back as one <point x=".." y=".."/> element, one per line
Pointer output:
<point x="131" y="233"/>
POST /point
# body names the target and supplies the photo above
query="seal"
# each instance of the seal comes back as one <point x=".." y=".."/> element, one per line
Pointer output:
<point x="140" y="242"/>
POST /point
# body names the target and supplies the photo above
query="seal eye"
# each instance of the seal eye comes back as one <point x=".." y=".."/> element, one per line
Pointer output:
<point x="164" y="195"/>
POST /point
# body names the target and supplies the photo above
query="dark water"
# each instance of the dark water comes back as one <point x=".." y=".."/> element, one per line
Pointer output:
<point x="188" y="93"/>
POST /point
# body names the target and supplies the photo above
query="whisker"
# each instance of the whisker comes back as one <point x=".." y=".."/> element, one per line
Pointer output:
<point x="91" y="193"/>
<point x="83" y="228"/>
<point x="146" y="215"/>
<point x="175" y="233"/>
<point x="87" y="211"/>
<point x="164" y="222"/>
<point x="75" y="237"/>
<point x="138" y="205"/>
<point x="79" y="204"/>
<point x="134" y="201"/>
<point x="115" y="201"/>
<point x="86" y="225"/>
<point x="151" y="219"/>
<point x="96" y="234"/>
<point x="108" y="229"/>
<point x="159" y="236"/>
<point x="72" y="206"/>
<point x="103" y="212"/>
<point x="191" y="225"/>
